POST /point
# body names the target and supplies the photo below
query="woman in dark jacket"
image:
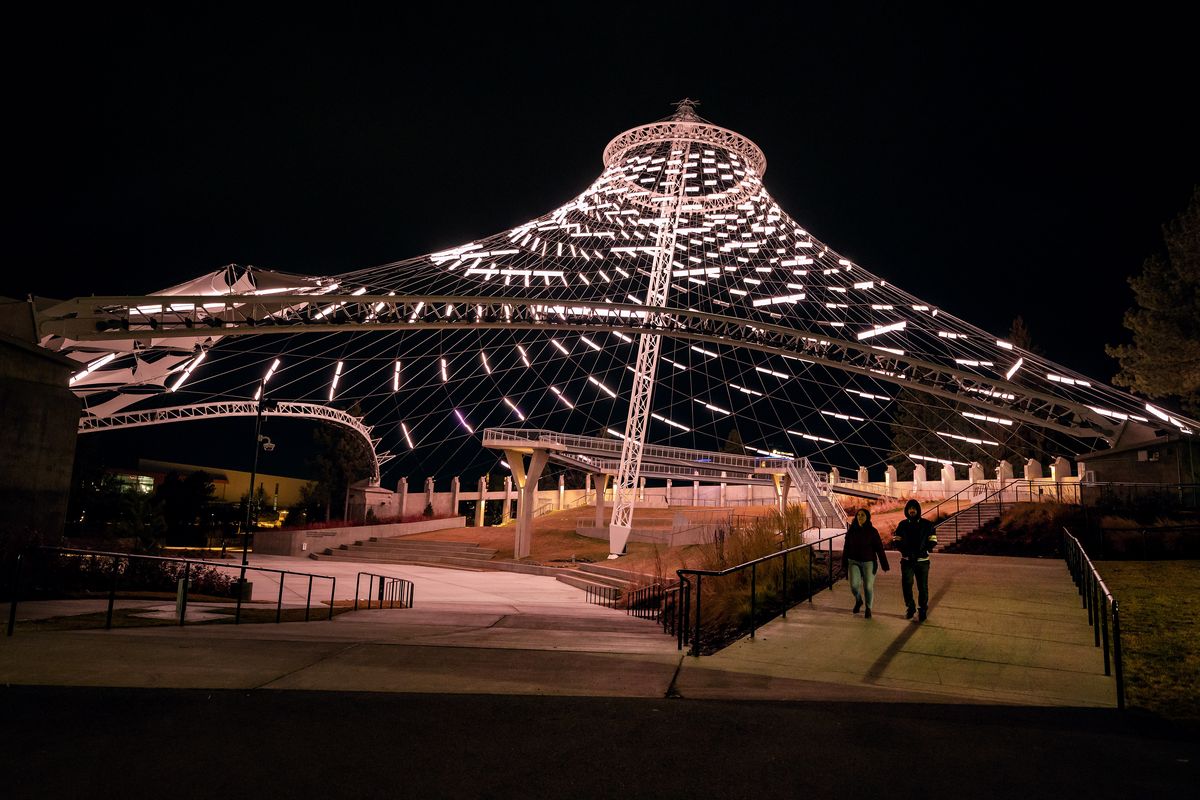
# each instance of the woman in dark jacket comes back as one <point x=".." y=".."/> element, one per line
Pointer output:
<point x="862" y="554"/>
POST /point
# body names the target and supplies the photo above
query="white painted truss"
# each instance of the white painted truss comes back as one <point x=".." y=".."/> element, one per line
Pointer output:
<point x="762" y="328"/>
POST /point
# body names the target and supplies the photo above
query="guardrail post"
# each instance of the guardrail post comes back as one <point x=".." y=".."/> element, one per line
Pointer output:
<point x="357" y="580"/>
<point x="696" y="635"/>
<point x="279" y="602"/>
<point x="785" y="583"/>
<point x="753" y="597"/>
<point x="12" y="605"/>
<point x="1104" y="632"/>
<point x="332" y="592"/>
<point x="183" y="593"/>
<point x="112" y="595"/>
<point x="829" y="566"/>
<point x="1117" y="654"/>
<point x="810" y="576"/>
<point x="308" y="598"/>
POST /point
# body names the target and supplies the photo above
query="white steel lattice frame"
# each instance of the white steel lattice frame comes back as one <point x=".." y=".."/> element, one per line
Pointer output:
<point x="649" y="343"/>
<point x="237" y="408"/>
<point x="762" y="328"/>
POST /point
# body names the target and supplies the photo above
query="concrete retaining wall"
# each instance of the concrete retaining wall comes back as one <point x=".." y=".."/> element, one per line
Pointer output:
<point x="298" y="543"/>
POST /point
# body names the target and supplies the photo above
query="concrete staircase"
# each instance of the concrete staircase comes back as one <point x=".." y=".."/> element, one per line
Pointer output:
<point x="460" y="555"/>
<point x="966" y="522"/>
<point x="602" y="576"/>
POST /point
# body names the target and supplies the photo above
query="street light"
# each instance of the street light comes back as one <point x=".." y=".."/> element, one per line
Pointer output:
<point x="264" y="404"/>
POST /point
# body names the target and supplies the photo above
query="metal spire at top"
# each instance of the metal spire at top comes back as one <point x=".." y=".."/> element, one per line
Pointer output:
<point x="685" y="110"/>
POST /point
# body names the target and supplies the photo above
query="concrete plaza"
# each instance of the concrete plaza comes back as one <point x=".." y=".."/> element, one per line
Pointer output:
<point x="1001" y="630"/>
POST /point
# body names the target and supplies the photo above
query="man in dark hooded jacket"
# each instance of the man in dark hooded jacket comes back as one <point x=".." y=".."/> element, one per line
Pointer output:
<point x="915" y="538"/>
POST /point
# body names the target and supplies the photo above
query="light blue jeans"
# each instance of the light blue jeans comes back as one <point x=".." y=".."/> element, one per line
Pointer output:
<point x="862" y="579"/>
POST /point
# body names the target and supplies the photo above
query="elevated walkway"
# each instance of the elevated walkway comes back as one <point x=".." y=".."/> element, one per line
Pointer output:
<point x="601" y="457"/>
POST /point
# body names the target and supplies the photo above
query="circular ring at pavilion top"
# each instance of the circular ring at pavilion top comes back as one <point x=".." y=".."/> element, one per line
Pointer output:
<point x="686" y="131"/>
<point x="712" y="195"/>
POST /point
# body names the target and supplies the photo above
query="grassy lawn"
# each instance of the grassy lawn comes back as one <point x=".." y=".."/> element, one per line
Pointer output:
<point x="1160" y="633"/>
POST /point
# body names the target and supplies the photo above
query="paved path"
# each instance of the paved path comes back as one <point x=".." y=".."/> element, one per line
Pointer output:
<point x="1001" y="631"/>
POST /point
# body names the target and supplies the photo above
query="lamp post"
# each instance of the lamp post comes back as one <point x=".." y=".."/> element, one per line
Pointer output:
<point x="263" y="405"/>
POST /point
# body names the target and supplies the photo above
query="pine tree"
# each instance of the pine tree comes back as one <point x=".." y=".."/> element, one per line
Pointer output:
<point x="1164" y="359"/>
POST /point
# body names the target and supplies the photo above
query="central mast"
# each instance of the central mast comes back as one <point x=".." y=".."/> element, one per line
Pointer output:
<point x="671" y="202"/>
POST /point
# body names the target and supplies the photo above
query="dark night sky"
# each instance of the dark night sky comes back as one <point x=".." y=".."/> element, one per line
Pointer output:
<point x="992" y="160"/>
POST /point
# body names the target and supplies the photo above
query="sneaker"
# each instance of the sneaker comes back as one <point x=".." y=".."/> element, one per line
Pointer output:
<point x="924" y="615"/>
<point x="909" y="614"/>
<point x="858" y="606"/>
<point x="867" y="615"/>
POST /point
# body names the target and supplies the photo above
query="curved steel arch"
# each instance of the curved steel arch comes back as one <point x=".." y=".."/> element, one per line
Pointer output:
<point x="237" y="408"/>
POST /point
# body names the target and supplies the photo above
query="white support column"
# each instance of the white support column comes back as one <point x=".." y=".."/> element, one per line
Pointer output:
<point x="668" y="496"/>
<point x="722" y="503"/>
<point x="695" y="493"/>
<point x="506" y="512"/>
<point x="948" y="478"/>
<point x="647" y="362"/>
<point x="481" y="503"/>
<point x="402" y="490"/>
<point x="527" y="481"/>
<point x="601" y="484"/>
<point x="428" y="494"/>
<point x="455" y="487"/>
<point x="890" y="478"/>
<point x="562" y="491"/>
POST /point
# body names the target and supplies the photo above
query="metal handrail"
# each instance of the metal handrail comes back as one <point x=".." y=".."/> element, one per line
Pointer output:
<point x="392" y="590"/>
<point x="684" y="608"/>
<point x="184" y="583"/>
<point x="1100" y="605"/>
<point x="1013" y="486"/>
<point x="596" y="443"/>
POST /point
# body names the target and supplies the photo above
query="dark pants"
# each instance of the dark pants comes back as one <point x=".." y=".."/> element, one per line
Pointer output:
<point x="920" y="570"/>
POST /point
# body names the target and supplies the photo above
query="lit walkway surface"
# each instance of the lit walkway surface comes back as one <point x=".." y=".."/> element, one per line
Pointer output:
<point x="1001" y="630"/>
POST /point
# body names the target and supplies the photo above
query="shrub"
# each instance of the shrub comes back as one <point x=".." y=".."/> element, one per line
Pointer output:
<point x="726" y="600"/>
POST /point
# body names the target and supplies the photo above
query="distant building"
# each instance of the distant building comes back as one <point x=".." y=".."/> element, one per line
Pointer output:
<point x="1166" y="460"/>
<point x="229" y="485"/>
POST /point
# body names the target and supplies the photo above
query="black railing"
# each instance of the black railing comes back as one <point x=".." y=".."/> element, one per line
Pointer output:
<point x="607" y="596"/>
<point x="116" y="570"/>
<point x="1010" y="493"/>
<point x="1100" y="605"/>
<point x="688" y="620"/>
<point x="654" y="602"/>
<point x="392" y="591"/>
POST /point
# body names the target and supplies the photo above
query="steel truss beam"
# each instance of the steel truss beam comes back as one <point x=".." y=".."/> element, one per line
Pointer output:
<point x="238" y="408"/>
<point x="120" y="318"/>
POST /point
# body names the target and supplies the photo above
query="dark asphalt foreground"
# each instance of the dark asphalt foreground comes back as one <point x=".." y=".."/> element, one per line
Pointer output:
<point x="179" y="743"/>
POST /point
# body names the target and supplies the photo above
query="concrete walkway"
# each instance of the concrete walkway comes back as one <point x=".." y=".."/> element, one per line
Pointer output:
<point x="1000" y="631"/>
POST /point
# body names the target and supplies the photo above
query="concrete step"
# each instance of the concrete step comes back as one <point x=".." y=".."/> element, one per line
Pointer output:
<point x="599" y="580"/>
<point x="388" y="558"/>
<point x="634" y="578"/>
<point x="580" y="581"/>
<point x="383" y="547"/>
<point x="429" y="544"/>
